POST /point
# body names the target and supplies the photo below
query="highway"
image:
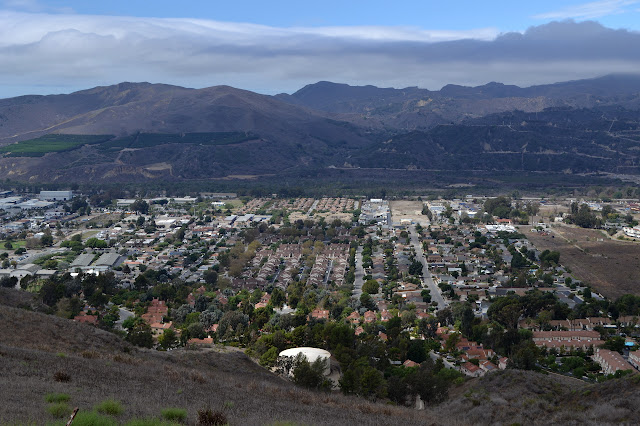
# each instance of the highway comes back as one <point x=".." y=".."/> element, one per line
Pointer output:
<point x="427" y="280"/>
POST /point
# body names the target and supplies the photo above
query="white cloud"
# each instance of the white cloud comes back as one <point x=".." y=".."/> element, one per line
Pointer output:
<point x="46" y="53"/>
<point x="591" y="10"/>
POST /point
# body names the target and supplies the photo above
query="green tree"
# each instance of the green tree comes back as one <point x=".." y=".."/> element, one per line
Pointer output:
<point x="371" y="287"/>
<point x="311" y="375"/>
<point x="140" y="334"/>
<point x="168" y="339"/>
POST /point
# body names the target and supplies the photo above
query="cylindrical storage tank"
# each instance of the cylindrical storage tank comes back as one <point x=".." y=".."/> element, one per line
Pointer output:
<point x="312" y="354"/>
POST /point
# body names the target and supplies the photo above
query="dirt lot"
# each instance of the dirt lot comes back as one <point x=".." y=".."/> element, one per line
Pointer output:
<point x="411" y="210"/>
<point x="611" y="266"/>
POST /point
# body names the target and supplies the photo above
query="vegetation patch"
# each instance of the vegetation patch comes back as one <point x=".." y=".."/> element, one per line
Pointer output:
<point x="110" y="407"/>
<point x="51" y="143"/>
<point x="59" y="409"/>
<point x="56" y="397"/>
<point x="175" y="414"/>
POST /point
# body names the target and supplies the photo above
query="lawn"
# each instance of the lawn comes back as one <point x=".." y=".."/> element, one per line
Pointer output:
<point x="16" y="244"/>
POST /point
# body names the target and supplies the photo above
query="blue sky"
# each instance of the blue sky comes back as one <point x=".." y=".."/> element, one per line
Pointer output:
<point x="269" y="47"/>
<point x="429" y="14"/>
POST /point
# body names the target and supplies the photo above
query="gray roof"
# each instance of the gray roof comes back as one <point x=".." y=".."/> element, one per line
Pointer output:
<point x="82" y="260"/>
<point x="107" y="259"/>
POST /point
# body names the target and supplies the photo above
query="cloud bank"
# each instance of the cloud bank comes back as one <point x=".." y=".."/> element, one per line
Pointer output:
<point x="49" y="53"/>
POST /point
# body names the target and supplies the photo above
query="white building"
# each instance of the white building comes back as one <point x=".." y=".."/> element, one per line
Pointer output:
<point x="311" y="354"/>
<point x="56" y="195"/>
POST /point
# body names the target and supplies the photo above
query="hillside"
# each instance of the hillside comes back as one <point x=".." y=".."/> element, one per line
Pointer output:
<point x="415" y="108"/>
<point x="133" y="132"/>
<point x="36" y="348"/>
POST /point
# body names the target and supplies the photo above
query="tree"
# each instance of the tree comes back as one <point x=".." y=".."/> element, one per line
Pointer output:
<point x="140" y="206"/>
<point x="415" y="268"/>
<point x="140" y="334"/>
<point x="371" y="287"/>
<point x="367" y="301"/>
<point x="96" y="243"/>
<point x="8" y="282"/>
<point x="46" y="240"/>
<point x="210" y="276"/>
<point x="311" y="375"/>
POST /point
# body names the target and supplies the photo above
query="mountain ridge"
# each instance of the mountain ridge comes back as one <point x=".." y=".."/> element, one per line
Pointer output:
<point x="322" y="125"/>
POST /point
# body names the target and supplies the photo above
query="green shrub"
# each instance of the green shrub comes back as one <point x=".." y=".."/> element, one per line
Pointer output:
<point x="110" y="407"/>
<point x="149" y="422"/>
<point x="59" y="409"/>
<point x="92" y="418"/>
<point x="175" y="414"/>
<point x="57" y="397"/>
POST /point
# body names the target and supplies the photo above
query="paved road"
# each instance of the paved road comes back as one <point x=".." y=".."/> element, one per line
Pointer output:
<point x="312" y="208"/>
<point x="427" y="280"/>
<point x="33" y="255"/>
<point x="124" y="314"/>
<point x="359" y="281"/>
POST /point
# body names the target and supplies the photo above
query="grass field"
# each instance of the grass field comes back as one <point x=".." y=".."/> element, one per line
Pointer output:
<point x="16" y="244"/>
<point x="51" y="143"/>
<point x="611" y="266"/>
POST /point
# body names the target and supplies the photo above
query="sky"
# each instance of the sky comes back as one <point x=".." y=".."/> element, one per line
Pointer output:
<point x="279" y="46"/>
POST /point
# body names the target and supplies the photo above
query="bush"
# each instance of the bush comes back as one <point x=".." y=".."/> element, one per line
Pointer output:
<point x="209" y="417"/>
<point x="57" y="397"/>
<point x="175" y="414"/>
<point x="110" y="407"/>
<point x="92" y="418"/>
<point x="59" y="409"/>
<point x="149" y="422"/>
<point x="60" y="376"/>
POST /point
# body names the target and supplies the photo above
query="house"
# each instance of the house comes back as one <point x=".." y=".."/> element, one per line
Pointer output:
<point x="568" y="339"/>
<point x="354" y="317"/>
<point x="156" y="312"/>
<point x="409" y="363"/>
<point x="471" y="370"/>
<point x="369" y="316"/>
<point x="611" y="361"/>
<point x="634" y="359"/>
<point x="503" y="362"/>
<point x="85" y="318"/>
<point x="320" y="314"/>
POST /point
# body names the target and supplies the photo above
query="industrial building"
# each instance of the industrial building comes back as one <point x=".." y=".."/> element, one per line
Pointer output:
<point x="56" y="195"/>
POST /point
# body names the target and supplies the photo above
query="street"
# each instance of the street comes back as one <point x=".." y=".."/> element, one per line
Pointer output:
<point x="427" y="280"/>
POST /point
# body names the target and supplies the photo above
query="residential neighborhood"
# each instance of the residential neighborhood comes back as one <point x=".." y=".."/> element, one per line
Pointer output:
<point x="451" y="286"/>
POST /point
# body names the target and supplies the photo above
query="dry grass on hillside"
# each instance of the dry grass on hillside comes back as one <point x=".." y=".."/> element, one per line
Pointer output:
<point x="611" y="266"/>
<point x="35" y="349"/>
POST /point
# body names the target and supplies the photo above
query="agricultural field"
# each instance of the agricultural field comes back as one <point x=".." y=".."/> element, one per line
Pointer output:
<point x="51" y="143"/>
<point x="611" y="266"/>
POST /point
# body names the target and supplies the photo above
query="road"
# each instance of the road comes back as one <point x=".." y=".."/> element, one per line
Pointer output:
<point x="124" y="314"/>
<point x="359" y="281"/>
<point x="427" y="280"/>
<point x="312" y="208"/>
<point x="33" y="255"/>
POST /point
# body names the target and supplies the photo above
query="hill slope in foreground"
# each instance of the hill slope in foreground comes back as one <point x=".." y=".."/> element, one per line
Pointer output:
<point x="34" y="348"/>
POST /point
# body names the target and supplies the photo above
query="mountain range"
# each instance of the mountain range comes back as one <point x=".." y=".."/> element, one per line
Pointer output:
<point x="143" y="131"/>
